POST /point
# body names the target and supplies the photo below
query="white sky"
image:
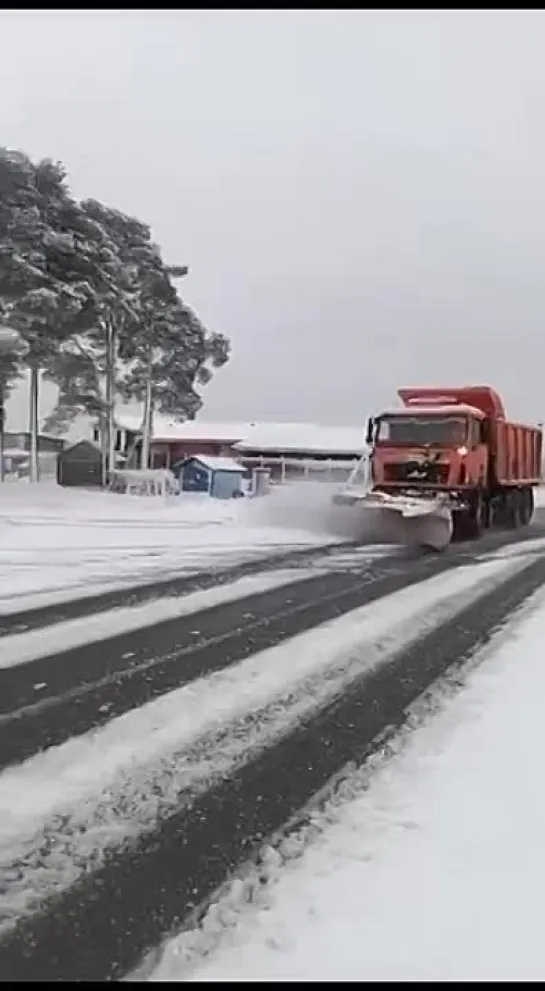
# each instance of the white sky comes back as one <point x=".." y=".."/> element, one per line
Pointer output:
<point x="359" y="194"/>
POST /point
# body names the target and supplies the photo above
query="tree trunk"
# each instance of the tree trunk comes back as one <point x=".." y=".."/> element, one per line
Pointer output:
<point x="34" y="392"/>
<point x="103" y="427"/>
<point x="146" y="426"/>
<point x="108" y="446"/>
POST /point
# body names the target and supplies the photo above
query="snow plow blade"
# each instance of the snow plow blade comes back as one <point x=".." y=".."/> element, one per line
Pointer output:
<point x="403" y="519"/>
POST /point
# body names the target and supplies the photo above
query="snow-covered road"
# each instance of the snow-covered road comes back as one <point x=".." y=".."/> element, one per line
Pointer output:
<point x="432" y="871"/>
<point x="103" y="786"/>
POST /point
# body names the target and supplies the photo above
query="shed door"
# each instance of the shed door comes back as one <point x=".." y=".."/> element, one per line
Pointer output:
<point x="225" y="484"/>
<point x="80" y="472"/>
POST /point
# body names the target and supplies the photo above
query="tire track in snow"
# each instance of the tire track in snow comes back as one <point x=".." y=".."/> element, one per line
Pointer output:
<point x="48" y="613"/>
<point x="99" y="929"/>
<point x="86" y="687"/>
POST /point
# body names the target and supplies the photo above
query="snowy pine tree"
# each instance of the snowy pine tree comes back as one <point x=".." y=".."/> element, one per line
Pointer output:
<point x="91" y="295"/>
<point x="45" y="291"/>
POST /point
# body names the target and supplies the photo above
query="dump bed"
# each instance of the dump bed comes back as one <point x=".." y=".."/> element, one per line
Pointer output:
<point x="517" y="450"/>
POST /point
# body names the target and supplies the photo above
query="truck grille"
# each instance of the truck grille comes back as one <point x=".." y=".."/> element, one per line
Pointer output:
<point x="404" y="471"/>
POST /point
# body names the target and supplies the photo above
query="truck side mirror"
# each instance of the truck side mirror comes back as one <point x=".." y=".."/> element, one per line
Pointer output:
<point x="370" y="432"/>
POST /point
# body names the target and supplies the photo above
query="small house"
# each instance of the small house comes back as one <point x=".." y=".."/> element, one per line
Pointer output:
<point x="219" y="477"/>
<point x="80" y="464"/>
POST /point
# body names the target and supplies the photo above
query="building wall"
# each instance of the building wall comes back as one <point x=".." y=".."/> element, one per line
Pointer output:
<point x="22" y="442"/>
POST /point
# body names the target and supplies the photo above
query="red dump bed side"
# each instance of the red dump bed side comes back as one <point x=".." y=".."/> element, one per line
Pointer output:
<point x="517" y="450"/>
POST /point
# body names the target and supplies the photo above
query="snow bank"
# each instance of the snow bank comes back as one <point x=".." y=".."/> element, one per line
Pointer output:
<point x="434" y="873"/>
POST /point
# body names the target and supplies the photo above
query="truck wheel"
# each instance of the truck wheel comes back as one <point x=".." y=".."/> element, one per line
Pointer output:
<point x="495" y="514"/>
<point x="458" y="527"/>
<point x="531" y="505"/>
<point x="513" y="509"/>
<point x="474" y="521"/>
<point x="526" y="506"/>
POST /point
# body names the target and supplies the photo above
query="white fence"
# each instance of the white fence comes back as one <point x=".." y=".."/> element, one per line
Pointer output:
<point x="296" y="469"/>
<point x="145" y="482"/>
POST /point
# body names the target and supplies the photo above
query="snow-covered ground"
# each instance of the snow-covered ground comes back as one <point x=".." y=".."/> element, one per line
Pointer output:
<point x="434" y="871"/>
<point x="59" y="543"/>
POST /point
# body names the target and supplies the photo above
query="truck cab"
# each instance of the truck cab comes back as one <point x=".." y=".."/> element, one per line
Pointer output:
<point x="430" y="447"/>
<point x="448" y="461"/>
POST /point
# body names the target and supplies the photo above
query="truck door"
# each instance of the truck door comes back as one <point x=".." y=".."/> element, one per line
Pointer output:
<point x="479" y="451"/>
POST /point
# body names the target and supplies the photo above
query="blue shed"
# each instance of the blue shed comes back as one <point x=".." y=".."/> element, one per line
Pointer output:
<point x="219" y="477"/>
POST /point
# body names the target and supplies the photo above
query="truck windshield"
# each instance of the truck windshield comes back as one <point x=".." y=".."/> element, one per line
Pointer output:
<point x="442" y="430"/>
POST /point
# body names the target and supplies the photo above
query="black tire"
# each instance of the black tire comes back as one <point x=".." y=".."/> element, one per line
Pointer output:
<point x="494" y="514"/>
<point x="513" y="509"/>
<point x="532" y="504"/>
<point x="527" y="506"/>
<point x="458" y="527"/>
<point x="470" y="524"/>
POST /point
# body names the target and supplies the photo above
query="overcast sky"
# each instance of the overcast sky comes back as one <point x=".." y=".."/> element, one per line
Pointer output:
<point x="360" y="195"/>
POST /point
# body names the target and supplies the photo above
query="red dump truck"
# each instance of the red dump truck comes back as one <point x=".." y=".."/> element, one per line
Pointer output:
<point x="449" y="462"/>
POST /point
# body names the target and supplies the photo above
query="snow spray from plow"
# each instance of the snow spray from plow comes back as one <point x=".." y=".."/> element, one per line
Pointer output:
<point x="426" y="522"/>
